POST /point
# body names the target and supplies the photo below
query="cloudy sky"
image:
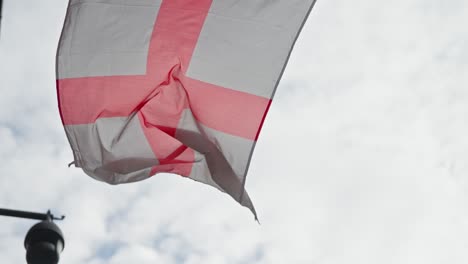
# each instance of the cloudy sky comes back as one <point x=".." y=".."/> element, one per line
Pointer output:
<point x="363" y="158"/>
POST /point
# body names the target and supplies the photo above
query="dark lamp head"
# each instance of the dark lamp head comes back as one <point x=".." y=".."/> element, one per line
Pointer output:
<point x="44" y="243"/>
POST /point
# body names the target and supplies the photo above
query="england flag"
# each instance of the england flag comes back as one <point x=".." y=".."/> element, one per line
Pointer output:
<point x="174" y="86"/>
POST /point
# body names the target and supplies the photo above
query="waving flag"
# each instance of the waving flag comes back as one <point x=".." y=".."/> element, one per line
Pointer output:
<point x="178" y="86"/>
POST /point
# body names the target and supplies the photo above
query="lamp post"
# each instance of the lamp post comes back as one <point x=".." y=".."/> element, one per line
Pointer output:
<point x="1" y="4"/>
<point x="44" y="241"/>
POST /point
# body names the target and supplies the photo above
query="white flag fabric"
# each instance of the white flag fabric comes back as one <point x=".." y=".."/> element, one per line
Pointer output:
<point x="177" y="86"/>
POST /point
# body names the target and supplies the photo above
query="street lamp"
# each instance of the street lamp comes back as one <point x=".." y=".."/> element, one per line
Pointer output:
<point x="44" y="241"/>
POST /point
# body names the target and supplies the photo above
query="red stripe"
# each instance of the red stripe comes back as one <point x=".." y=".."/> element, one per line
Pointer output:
<point x="233" y="112"/>
<point x="83" y="100"/>
<point x="174" y="38"/>
<point x="175" y="34"/>
<point x="173" y="156"/>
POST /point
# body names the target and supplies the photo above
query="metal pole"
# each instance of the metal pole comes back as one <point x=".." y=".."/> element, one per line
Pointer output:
<point x="1" y="4"/>
<point x="29" y="215"/>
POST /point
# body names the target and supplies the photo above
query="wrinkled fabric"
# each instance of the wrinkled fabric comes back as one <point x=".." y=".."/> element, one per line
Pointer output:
<point x="148" y="86"/>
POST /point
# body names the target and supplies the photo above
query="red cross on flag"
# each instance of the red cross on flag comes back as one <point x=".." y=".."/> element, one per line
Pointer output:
<point x="177" y="86"/>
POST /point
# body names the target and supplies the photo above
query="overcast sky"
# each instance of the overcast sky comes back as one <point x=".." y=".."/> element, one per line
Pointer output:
<point x="363" y="158"/>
